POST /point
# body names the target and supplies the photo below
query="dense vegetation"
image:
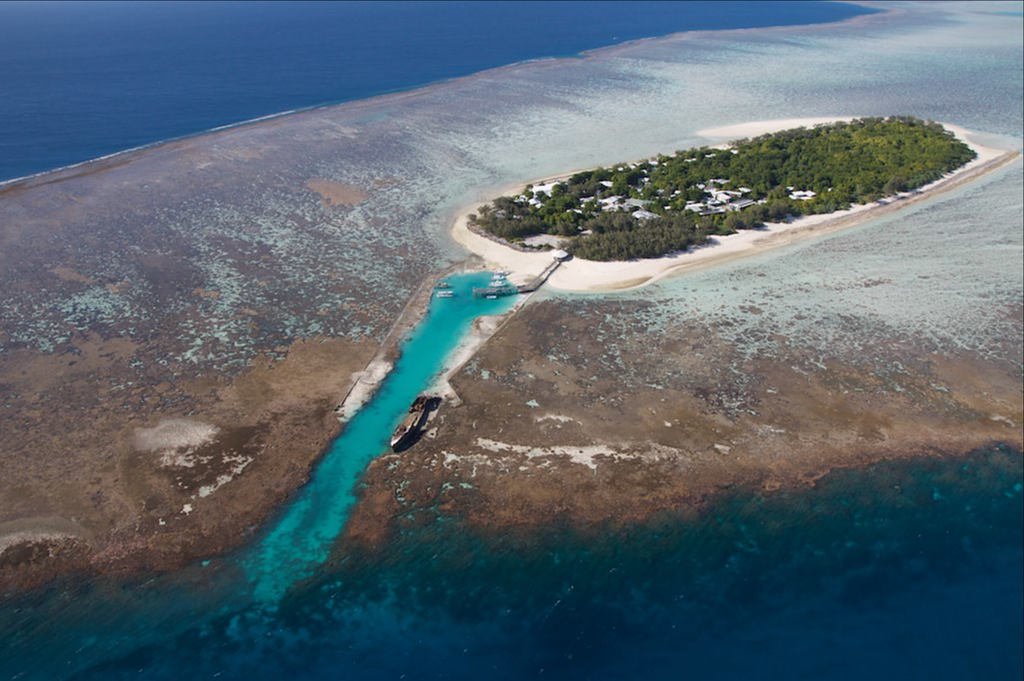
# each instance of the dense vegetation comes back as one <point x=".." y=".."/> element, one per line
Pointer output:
<point x="662" y="205"/>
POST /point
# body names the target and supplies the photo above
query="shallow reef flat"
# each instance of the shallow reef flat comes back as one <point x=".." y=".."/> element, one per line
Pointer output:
<point x="177" y="323"/>
<point x="900" y="338"/>
<point x="585" y="414"/>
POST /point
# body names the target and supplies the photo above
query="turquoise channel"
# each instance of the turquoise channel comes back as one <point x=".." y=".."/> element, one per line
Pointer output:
<point x="302" y="536"/>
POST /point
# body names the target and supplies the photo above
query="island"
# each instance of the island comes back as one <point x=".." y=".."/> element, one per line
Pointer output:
<point x="809" y="416"/>
<point x="669" y="204"/>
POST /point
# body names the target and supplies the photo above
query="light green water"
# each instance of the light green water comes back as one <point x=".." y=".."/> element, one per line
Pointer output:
<point x="301" y="538"/>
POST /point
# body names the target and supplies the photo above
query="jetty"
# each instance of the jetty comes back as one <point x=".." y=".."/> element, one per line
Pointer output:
<point x="529" y="287"/>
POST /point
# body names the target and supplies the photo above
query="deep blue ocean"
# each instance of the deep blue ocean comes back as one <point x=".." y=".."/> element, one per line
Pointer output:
<point x="905" y="570"/>
<point x="82" y="80"/>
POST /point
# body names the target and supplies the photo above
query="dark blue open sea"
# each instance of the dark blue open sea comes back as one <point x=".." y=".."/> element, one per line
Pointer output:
<point x="903" y="570"/>
<point x="82" y="80"/>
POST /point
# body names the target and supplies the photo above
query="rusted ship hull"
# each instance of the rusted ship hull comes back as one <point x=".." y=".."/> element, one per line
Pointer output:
<point x="409" y="428"/>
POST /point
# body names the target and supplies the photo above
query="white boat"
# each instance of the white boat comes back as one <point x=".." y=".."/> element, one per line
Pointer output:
<point x="446" y="294"/>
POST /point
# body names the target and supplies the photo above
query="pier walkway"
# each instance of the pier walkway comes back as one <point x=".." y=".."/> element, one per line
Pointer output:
<point x="529" y="287"/>
<point x="539" y="280"/>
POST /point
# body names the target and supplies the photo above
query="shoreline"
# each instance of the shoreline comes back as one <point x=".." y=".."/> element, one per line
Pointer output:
<point x="587" y="276"/>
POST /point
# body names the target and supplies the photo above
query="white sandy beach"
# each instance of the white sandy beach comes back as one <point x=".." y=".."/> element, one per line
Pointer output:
<point x="585" y="275"/>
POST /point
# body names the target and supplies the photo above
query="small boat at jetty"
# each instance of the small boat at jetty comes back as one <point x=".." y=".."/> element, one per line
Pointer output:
<point x="406" y="432"/>
<point x="443" y="284"/>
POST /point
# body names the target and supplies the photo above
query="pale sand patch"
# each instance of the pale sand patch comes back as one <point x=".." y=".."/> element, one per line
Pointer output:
<point x="365" y="385"/>
<point x="560" y="418"/>
<point x="585" y="275"/>
<point x="176" y="440"/>
<point x="240" y="462"/>
<point x="581" y="454"/>
<point x="729" y="133"/>
<point x="333" y="193"/>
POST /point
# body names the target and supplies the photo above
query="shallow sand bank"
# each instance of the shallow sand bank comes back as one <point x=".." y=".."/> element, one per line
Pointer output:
<point x="586" y="275"/>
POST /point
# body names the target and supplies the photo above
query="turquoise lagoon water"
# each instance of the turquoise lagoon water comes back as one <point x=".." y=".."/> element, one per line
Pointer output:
<point x="302" y="537"/>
